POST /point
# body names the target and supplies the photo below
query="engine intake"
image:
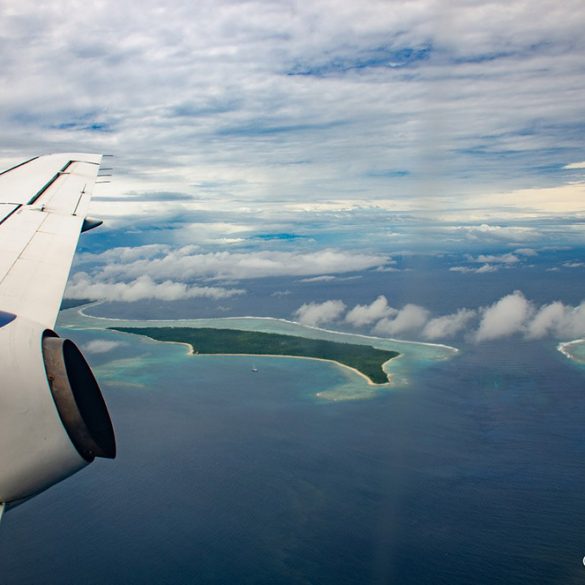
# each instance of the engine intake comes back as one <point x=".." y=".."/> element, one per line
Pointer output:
<point x="53" y="418"/>
<point x="78" y="399"/>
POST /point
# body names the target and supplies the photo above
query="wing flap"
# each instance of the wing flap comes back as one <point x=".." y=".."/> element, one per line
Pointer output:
<point x="22" y="183"/>
<point x="71" y="190"/>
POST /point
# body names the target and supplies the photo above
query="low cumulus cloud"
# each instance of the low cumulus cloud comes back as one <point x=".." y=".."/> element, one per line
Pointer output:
<point x="324" y="278"/>
<point x="315" y="314"/>
<point x="409" y="318"/>
<point x="492" y="262"/>
<point x="512" y="314"/>
<point x="448" y="325"/>
<point x="82" y="286"/>
<point x="481" y="270"/>
<point x="526" y="252"/>
<point x="503" y="318"/>
<point x="367" y="314"/>
<point x="496" y="259"/>
<point x="101" y="346"/>
<point x="559" y="320"/>
<point x="495" y="233"/>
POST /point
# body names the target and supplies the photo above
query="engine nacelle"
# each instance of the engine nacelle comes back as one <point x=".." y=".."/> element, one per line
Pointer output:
<point x="53" y="418"/>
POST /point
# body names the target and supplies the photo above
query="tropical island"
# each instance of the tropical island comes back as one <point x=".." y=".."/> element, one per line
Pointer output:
<point x="366" y="359"/>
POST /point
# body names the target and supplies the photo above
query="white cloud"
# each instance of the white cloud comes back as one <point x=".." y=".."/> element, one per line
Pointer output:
<point x="448" y="325"/>
<point x="101" y="346"/>
<point x="124" y="254"/>
<point x="545" y="320"/>
<point x="480" y="270"/>
<point x="575" y="165"/>
<point x="82" y="286"/>
<point x="573" y="264"/>
<point x="496" y="259"/>
<point x="526" y="252"/>
<point x="315" y="314"/>
<point x="287" y="80"/>
<point x="488" y="261"/>
<point x="494" y="233"/>
<point x="486" y="268"/>
<point x="177" y="264"/>
<point x="511" y="314"/>
<point x="324" y="278"/>
<point x="559" y="320"/>
<point x="366" y="314"/>
<point x="505" y="317"/>
<point x="409" y="318"/>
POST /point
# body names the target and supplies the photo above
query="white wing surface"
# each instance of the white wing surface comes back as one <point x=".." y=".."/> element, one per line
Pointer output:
<point x="43" y="203"/>
<point x="53" y="419"/>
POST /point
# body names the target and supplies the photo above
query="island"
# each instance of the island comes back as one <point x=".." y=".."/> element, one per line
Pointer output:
<point x="365" y="359"/>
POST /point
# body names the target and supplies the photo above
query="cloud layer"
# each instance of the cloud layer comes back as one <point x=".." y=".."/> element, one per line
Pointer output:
<point x="188" y="263"/>
<point x="302" y="103"/>
<point x="512" y="314"/>
<point x="161" y="272"/>
<point x="82" y="286"/>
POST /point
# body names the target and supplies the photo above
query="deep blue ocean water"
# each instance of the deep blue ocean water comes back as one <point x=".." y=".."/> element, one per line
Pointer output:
<point x="473" y="474"/>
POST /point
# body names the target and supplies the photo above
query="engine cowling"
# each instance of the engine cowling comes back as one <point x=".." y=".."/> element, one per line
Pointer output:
<point x="53" y="418"/>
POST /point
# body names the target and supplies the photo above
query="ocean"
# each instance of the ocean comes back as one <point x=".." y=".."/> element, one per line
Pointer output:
<point x="470" y="471"/>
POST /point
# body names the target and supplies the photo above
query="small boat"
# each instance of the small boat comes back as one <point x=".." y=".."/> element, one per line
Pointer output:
<point x="254" y="369"/>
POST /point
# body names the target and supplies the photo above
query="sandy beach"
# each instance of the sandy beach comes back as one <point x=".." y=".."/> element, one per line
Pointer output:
<point x="296" y="357"/>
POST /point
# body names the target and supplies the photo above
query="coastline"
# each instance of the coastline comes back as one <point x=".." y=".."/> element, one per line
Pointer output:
<point x="302" y="357"/>
<point x="80" y="311"/>
<point x="564" y="348"/>
<point x="191" y="351"/>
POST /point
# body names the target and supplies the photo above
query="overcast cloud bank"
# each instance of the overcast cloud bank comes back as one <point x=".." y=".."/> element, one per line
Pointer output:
<point x="187" y="263"/>
<point x="238" y="103"/>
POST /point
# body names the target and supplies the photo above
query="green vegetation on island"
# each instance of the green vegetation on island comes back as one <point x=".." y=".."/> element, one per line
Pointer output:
<point x="364" y="358"/>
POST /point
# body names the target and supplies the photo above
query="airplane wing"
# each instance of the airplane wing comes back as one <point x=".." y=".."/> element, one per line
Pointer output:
<point x="53" y="419"/>
<point x="43" y="203"/>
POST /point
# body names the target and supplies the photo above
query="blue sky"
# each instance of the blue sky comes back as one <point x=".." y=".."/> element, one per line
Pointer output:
<point x="301" y="139"/>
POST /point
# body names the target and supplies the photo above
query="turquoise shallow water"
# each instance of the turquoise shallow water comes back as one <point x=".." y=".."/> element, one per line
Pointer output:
<point x="574" y="350"/>
<point x="471" y="472"/>
<point x="413" y="356"/>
